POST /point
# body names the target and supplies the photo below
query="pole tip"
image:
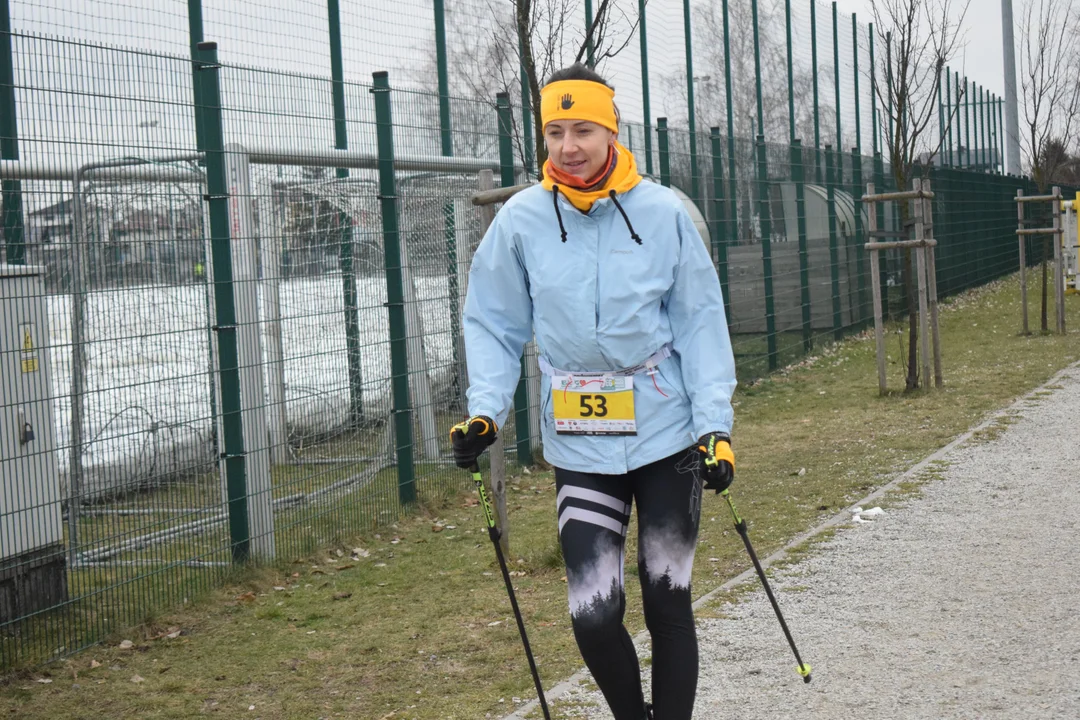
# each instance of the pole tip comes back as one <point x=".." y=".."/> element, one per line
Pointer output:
<point x="804" y="670"/>
<point x="380" y="74"/>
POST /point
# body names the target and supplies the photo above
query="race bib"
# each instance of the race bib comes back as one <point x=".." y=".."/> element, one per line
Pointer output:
<point x="593" y="404"/>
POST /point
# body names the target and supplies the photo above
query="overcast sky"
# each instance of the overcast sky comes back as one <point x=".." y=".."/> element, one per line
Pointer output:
<point x="980" y="56"/>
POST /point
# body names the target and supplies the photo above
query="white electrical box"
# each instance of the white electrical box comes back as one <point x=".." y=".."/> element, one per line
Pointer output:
<point x="1070" y="225"/>
<point x="32" y="560"/>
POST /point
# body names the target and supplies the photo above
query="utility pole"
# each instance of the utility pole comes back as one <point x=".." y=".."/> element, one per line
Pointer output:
<point x="1012" y="119"/>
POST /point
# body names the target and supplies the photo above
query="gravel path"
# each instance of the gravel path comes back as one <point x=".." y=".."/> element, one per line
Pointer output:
<point x="963" y="603"/>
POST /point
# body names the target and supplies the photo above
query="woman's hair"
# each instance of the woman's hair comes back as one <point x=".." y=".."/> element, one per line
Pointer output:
<point x="577" y="71"/>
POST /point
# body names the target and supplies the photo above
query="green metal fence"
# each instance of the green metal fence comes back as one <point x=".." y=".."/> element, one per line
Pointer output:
<point x="241" y="289"/>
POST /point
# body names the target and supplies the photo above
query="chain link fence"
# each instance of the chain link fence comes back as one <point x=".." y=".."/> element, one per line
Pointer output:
<point x="233" y="330"/>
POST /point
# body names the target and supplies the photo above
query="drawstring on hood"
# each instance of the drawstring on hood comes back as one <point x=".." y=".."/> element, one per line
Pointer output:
<point x="620" y="175"/>
<point x="614" y="199"/>
<point x="558" y="214"/>
<point x="625" y="217"/>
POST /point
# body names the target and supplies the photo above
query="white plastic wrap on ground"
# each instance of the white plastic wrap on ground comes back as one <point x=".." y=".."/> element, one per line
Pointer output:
<point x="962" y="603"/>
<point x="147" y="407"/>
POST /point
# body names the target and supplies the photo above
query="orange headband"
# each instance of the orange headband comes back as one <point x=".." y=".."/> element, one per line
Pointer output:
<point x="579" y="100"/>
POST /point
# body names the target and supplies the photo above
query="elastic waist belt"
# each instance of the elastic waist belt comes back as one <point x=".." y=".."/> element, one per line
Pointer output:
<point x="646" y="367"/>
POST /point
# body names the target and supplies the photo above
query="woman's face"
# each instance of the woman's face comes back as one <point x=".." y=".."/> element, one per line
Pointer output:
<point x="578" y="147"/>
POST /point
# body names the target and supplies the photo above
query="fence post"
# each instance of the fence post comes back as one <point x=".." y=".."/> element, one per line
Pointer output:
<point x="195" y="36"/>
<point x="798" y="175"/>
<point x="521" y="395"/>
<point x="855" y="77"/>
<point x="765" y="217"/>
<point x="1059" y="259"/>
<point x="874" y="131"/>
<point x="876" y="288"/>
<point x="395" y="293"/>
<point x="1022" y="241"/>
<point x="345" y="247"/>
<point x="790" y="73"/>
<point x="644" y="54"/>
<point x="446" y="137"/>
<point x="1001" y="139"/>
<point x="217" y="189"/>
<point x="860" y="251"/>
<point x="665" y="154"/>
<point x="497" y="452"/>
<point x="917" y="207"/>
<point x="695" y="185"/>
<point x="817" y="106"/>
<point x="968" y="90"/>
<point x="834" y="249"/>
<point x="718" y="224"/>
<point x="982" y="129"/>
<point x="733" y="188"/>
<point x="839" y="158"/>
<point x="253" y="389"/>
<point x="941" y="117"/>
<point x="947" y="116"/>
<point x="958" y="120"/>
<point x="14" y="242"/>
<point x="931" y="282"/>
<point x="879" y="225"/>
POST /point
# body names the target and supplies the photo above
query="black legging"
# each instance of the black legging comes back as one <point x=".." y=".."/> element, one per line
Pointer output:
<point x="593" y="514"/>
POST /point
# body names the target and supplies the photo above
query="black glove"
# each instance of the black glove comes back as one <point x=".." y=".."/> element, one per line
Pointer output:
<point x="717" y="461"/>
<point x="470" y="438"/>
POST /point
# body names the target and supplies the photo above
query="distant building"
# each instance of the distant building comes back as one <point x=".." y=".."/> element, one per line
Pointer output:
<point x="50" y="225"/>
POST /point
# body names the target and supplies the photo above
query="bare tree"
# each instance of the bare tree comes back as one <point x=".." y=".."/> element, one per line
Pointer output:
<point x="1066" y="165"/>
<point x="920" y="37"/>
<point x="548" y="42"/>
<point x="1050" y="52"/>
<point x="491" y="49"/>
<point x="481" y="63"/>
<point x="1051" y="97"/>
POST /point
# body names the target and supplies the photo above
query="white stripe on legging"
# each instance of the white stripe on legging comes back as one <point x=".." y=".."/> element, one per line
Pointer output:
<point x="591" y="517"/>
<point x="592" y="496"/>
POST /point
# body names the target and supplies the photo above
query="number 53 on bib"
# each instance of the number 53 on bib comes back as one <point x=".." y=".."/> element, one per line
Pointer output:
<point x="593" y="405"/>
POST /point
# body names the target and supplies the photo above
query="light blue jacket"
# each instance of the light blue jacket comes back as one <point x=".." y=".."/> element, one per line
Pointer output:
<point x="600" y="302"/>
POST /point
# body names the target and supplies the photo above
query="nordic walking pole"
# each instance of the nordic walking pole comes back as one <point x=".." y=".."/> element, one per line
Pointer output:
<point x="494" y="534"/>
<point x="740" y="525"/>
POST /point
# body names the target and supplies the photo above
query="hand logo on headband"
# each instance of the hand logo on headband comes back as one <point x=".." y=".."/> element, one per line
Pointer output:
<point x="567" y="101"/>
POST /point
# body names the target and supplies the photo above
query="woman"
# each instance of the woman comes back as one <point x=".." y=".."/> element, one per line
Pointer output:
<point x="610" y="274"/>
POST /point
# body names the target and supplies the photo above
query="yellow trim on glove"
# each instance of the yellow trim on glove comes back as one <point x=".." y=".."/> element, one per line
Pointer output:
<point x="464" y="425"/>
<point x="718" y="451"/>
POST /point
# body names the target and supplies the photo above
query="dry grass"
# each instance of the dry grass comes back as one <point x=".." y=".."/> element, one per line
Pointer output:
<point x="421" y="626"/>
